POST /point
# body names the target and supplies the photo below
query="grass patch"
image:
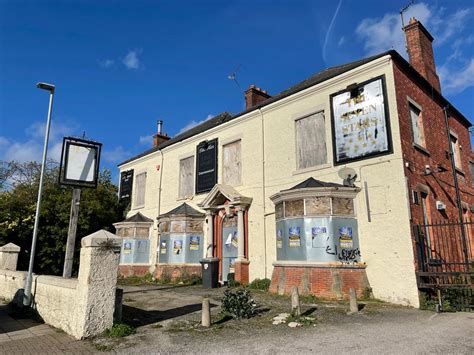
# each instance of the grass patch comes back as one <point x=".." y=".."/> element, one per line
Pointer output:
<point x="157" y="325"/>
<point x="119" y="330"/>
<point x="103" y="347"/>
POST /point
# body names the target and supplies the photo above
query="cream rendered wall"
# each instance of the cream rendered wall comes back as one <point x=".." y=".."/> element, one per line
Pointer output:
<point x="385" y="242"/>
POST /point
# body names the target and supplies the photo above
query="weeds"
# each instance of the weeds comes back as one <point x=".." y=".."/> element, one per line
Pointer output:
<point x="119" y="330"/>
<point x="238" y="304"/>
<point x="260" y="284"/>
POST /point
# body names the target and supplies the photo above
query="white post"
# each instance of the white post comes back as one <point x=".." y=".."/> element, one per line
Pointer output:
<point x="209" y="243"/>
<point x="240" y="234"/>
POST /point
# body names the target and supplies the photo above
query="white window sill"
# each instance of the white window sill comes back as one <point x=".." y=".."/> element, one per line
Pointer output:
<point x="313" y="168"/>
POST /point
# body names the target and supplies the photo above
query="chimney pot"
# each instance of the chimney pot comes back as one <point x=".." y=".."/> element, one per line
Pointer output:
<point x="255" y="95"/>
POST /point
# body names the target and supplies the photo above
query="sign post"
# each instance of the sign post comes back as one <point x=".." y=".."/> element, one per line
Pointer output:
<point x="79" y="168"/>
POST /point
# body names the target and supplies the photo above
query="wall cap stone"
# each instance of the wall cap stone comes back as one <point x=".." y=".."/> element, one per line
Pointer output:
<point x="312" y="264"/>
<point x="56" y="281"/>
<point x="102" y="238"/>
<point x="10" y="248"/>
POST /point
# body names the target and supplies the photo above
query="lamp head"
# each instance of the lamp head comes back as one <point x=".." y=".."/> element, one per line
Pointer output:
<point x="46" y="86"/>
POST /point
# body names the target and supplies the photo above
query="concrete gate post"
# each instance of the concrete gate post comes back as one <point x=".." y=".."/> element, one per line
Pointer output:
<point x="9" y="256"/>
<point x="97" y="281"/>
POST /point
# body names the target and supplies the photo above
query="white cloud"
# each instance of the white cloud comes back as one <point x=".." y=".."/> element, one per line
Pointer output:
<point x="341" y="41"/>
<point x="194" y="123"/>
<point x="456" y="80"/>
<point x="381" y="34"/>
<point x="146" y="140"/>
<point x="115" y="155"/>
<point x="106" y="63"/>
<point x="131" y="60"/>
<point x="31" y="149"/>
<point x="452" y="25"/>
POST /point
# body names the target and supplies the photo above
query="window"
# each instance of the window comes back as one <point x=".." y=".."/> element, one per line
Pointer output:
<point x="186" y="177"/>
<point x="471" y="167"/>
<point x="417" y="125"/>
<point x="232" y="166"/>
<point x="456" y="151"/>
<point x="140" y="185"/>
<point x="311" y="141"/>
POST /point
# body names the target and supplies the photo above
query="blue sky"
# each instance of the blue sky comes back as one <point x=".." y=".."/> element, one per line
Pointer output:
<point x="120" y="65"/>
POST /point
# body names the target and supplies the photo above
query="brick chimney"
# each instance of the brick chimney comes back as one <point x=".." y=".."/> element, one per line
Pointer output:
<point x="420" y="51"/>
<point x="159" y="137"/>
<point x="254" y="95"/>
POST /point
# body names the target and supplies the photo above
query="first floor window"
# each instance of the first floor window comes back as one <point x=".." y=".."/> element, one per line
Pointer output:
<point x="456" y="151"/>
<point x="311" y="141"/>
<point x="232" y="166"/>
<point x="186" y="177"/>
<point x="140" y="184"/>
<point x="417" y="125"/>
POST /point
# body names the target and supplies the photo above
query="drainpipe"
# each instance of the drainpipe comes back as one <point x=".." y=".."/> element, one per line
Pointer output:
<point x="159" y="203"/>
<point x="264" y="195"/>
<point x="456" y="186"/>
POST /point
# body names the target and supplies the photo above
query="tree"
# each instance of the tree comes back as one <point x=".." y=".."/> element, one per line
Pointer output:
<point x="18" y="193"/>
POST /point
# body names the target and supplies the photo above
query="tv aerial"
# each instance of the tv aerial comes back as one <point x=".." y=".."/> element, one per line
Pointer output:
<point x="348" y="176"/>
<point x="233" y="76"/>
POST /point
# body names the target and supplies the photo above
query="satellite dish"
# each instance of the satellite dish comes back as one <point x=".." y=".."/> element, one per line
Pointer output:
<point x="348" y="176"/>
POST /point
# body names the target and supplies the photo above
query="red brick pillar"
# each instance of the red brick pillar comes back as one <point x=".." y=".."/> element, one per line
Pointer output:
<point x="242" y="271"/>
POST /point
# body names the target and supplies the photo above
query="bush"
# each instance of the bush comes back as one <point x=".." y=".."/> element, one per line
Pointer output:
<point x="260" y="284"/>
<point x="238" y="304"/>
<point x="120" y="330"/>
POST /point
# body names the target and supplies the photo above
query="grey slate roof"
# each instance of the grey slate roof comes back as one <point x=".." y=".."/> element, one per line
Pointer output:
<point x="138" y="217"/>
<point x="312" y="182"/>
<point x="313" y="80"/>
<point x="183" y="210"/>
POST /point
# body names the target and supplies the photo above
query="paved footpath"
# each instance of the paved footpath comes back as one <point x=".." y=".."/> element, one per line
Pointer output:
<point x="20" y="335"/>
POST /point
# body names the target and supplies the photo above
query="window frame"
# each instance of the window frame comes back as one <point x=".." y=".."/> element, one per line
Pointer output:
<point x="225" y="144"/>
<point x="420" y="145"/>
<point x="193" y="177"/>
<point x="326" y="163"/>
<point x="136" y="190"/>
<point x="456" y="149"/>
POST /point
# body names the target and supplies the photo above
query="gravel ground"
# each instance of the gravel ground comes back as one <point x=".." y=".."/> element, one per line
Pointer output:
<point x="168" y="322"/>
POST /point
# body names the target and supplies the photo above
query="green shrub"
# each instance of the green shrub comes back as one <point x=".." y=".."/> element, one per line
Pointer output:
<point x="233" y="283"/>
<point x="238" y="304"/>
<point x="120" y="330"/>
<point x="367" y="293"/>
<point x="260" y="284"/>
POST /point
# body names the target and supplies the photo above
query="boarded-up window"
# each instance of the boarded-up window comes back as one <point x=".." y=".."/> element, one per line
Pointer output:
<point x="417" y="126"/>
<point x="140" y="185"/>
<point x="456" y="151"/>
<point x="232" y="166"/>
<point x="186" y="177"/>
<point x="294" y="208"/>
<point x="318" y="206"/>
<point x="343" y="206"/>
<point x="311" y="141"/>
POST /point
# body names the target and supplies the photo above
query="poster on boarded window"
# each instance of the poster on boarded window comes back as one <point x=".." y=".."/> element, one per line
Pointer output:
<point x="294" y="239"/>
<point x="177" y="247"/>
<point x="194" y="242"/>
<point x="360" y="122"/>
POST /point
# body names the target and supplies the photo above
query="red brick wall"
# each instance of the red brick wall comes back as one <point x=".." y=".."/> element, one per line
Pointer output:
<point x="133" y="270"/>
<point x="176" y="272"/>
<point x="440" y="183"/>
<point x="242" y="272"/>
<point x="328" y="282"/>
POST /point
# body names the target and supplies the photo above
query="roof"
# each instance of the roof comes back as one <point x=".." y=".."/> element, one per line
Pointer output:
<point x="312" y="182"/>
<point x="138" y="217"/>
<point x="183" y="210"/>
<point x="317" y="78"/>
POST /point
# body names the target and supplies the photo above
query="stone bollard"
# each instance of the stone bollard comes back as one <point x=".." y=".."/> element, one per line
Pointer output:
<point x="206" y="313"/>
<point x="353" y="306"/>
<point x="9" y="256"/>
<point x="295" y="302"/>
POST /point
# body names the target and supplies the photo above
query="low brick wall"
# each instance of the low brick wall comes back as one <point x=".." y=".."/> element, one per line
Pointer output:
<point x="328" y="281"/>
<point x="133" y="270"/>
<point x="175" y="272"/>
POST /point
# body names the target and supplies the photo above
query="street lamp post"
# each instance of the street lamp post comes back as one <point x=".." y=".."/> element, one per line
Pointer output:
<point x="27" y="294"/>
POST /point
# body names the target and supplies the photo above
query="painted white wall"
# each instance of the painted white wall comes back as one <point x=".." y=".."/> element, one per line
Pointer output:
<point x="269" y="160"/>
